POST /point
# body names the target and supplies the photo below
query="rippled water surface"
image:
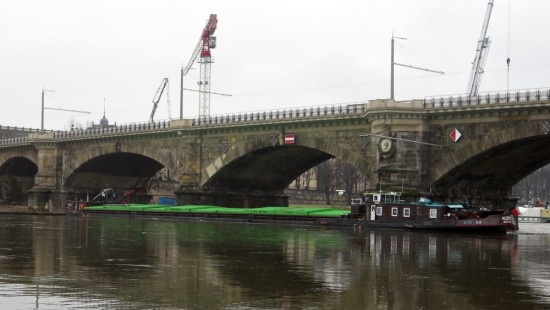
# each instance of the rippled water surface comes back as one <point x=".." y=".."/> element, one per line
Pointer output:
<point x="102" y="262"/>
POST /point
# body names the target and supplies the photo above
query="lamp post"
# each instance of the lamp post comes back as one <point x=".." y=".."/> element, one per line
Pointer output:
<point x="42" y="119"/>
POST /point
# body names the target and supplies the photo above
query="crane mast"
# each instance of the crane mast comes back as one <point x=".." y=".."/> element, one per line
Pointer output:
<point x="163" y="85"/>
<point x="202" y="49"/>
<point x="481" y="54"/>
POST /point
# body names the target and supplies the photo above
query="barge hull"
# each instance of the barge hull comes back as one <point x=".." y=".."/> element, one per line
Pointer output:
<point x="341" y="221"/>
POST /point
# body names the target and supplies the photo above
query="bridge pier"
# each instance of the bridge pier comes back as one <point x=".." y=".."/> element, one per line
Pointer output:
<point x="230" y="199"/>
<point x="47" y="200"/>
<point x="44" y="195"/>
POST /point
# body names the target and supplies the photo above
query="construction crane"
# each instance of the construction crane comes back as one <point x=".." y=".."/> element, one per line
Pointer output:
<point x="158" y="95"/>
<point x="482" y="50"/>
<point x="203" y="47"/>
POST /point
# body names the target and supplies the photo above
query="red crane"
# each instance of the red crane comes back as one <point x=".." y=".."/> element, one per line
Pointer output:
<point x="206" y="42"/>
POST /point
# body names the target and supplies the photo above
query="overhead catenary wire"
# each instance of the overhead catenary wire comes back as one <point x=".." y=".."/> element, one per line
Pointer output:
<point x="405" y="53"/>
<point x="400" y="139"/>
<point x="210" y="92"/>
<point x="67" y="110"/>
<point x="393" y="64"/>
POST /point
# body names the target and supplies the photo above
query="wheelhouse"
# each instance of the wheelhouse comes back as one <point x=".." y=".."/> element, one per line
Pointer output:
<point x="391" y="207"/>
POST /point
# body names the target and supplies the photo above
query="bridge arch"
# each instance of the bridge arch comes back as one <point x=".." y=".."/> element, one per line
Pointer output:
<point x="121" y="170"/>
<point x="16" y="178"/>
<point x="260" y="165"/>
<point x="266" y="169"/>
<point x="495" y="161"/>
<point x="168" y="153"/>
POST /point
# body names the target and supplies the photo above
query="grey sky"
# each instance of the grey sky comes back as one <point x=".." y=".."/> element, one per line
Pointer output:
<point x="270" y="54"/>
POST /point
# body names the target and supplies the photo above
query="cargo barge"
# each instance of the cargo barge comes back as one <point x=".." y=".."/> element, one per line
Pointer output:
<point x="379" y="210"/>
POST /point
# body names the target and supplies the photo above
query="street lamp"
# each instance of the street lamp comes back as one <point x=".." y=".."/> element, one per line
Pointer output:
<point x="42" y="119"/>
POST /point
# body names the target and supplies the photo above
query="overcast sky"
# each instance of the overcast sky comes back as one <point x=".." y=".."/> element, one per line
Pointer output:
<point x="269" y="55"/>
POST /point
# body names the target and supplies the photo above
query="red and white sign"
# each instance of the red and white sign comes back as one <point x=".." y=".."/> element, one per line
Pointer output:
<point x="455" y="135"/>
<point x="290" y="138"/>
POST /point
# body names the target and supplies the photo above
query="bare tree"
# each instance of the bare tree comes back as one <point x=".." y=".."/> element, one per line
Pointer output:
<point x="350" y="178"/>
<point x="325" y="178"/>
<point x="72" y="125"/>
<point x="297" y="182"/>
<point x="536" y="186"/>
<point x="307" y="176"/>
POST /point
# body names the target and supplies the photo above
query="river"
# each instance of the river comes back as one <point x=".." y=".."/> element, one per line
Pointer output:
<point x="106" y="262"/>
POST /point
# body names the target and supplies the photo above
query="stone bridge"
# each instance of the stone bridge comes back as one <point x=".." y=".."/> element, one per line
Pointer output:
<point x="244" y="159"/>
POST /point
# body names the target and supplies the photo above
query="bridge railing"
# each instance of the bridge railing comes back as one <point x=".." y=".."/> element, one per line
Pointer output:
<point x="22" y="129"/>
<point x="21" y="134"/>
<point x="502" y="97"/>
<point x="274" y="115"/>
<point x="12" y="141"/>
<point x="116" y="129"/>
<point x="245" y="117"/>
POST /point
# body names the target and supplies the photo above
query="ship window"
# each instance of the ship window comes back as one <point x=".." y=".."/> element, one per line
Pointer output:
<point x="406" y="212"/>
<point x="394" y="211"/>
<point x="433" y="213"/>
<point x="379" y="211"/>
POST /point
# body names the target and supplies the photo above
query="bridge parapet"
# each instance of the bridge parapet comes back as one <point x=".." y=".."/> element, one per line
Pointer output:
<point x="502" y="97"/>
<point x="328" y="111"/>
<point x="21" y="130"/>
<point x="283" y="114"/>
<point x="10" y="136"/>
<point x="383" y="104"/>
<point x="126" y="128"/>
<point x="13" y="141"/>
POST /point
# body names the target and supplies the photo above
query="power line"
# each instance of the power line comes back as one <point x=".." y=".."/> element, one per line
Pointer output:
<point x="67" y="110"/>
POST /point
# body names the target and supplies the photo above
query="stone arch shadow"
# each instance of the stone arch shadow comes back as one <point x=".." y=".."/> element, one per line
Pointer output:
<point x="16" y="178"/>
<point x="271" y="168"/>
<point x="493" y="165"/>
<point x="120" y="170"/>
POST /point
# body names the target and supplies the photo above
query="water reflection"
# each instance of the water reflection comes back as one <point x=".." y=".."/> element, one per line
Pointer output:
<point x="110" y="262"/>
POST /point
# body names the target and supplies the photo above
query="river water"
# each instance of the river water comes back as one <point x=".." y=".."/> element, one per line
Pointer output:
<point x="106" y="262"/>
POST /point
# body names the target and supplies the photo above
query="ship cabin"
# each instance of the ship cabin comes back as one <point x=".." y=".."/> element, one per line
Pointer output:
<point x="390" y="206"/>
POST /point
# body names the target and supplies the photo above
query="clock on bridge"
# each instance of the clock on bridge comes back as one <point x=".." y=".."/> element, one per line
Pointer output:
<point x="386" y="147"/>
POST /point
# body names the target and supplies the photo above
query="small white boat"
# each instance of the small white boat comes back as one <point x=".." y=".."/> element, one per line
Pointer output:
<point x="533" y="215"/>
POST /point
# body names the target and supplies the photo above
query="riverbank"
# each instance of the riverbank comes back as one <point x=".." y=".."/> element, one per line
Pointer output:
<point x="9" y="209"/>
